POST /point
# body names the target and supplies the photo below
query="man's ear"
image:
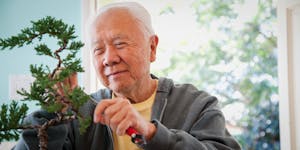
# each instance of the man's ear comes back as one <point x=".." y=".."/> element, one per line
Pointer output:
<point x="153" y="46"/>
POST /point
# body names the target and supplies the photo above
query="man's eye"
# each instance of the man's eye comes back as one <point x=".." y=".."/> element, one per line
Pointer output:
<point x="120" y="45"/>
<point x="98" y="51"/>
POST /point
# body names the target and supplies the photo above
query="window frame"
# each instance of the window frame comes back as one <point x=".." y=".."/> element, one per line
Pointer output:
<point x="287" y="73"/>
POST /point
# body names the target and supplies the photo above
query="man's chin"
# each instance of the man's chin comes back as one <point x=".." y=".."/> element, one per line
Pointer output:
<point x="118" y="88"/>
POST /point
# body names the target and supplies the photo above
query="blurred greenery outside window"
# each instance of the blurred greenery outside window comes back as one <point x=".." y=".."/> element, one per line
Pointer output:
<point x="227" y="48"/>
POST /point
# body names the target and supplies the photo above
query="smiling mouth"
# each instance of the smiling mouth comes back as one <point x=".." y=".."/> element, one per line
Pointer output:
<point x="116" y="73"/>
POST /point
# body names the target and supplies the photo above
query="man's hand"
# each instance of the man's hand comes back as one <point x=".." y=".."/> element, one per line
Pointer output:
<point x="119" y="115"/>
<point x="62" y="88"/>
<point x="69" y="83"/>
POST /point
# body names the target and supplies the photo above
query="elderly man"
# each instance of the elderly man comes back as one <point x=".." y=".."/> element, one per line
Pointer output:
<point x="166" y="115"/>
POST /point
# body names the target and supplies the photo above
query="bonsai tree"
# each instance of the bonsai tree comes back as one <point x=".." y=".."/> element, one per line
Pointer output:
<point x="47" y="90"/>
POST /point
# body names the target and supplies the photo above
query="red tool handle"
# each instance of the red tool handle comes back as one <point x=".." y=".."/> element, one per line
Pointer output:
<point x="131" y="132"/>
<point x="136" y="137"/>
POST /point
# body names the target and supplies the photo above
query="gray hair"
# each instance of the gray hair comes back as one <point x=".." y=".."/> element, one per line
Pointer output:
<point x="135" y="9"/>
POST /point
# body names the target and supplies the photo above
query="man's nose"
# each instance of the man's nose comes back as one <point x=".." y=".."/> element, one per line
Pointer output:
<point x="111" y="57"/>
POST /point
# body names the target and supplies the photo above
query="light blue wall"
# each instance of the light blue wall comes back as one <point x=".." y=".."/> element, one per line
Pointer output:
<point x="16" y="15"/>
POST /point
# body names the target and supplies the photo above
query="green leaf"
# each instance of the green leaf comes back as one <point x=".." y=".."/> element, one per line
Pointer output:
<point x="43" y="49"/>
<point x="11" y="118"/>
<point x="84" y="123"/>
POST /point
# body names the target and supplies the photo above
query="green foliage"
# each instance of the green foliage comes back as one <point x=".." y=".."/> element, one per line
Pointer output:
<point x="209" y="10"/>
<point x="84" y="123"/>
<point x="43" y="49"/>
<point x="11" y="117"/>
<point x="44" y="89"/>
<point x="167" y="10"/>
<point x="77" y="98"/>
<point x="47" y="25"/>
<point x="262" y="126"/>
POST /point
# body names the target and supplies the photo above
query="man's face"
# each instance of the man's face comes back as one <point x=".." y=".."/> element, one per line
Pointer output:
<point x="122" y="52"/>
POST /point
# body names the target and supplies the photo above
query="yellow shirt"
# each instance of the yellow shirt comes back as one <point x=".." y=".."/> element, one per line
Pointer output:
<point x="144" y="108"/>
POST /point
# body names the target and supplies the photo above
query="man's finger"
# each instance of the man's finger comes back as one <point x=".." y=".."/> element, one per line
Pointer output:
<point x="100" y="109"/>
<point x="71" y="81"/>
<point x="59" y="89"/>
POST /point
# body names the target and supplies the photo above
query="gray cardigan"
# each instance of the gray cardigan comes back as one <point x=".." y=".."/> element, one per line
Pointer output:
<point x="186" y="119"/>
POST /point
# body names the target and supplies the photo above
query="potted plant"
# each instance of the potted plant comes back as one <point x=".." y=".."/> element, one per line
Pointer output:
<point x="48" y="89"/>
